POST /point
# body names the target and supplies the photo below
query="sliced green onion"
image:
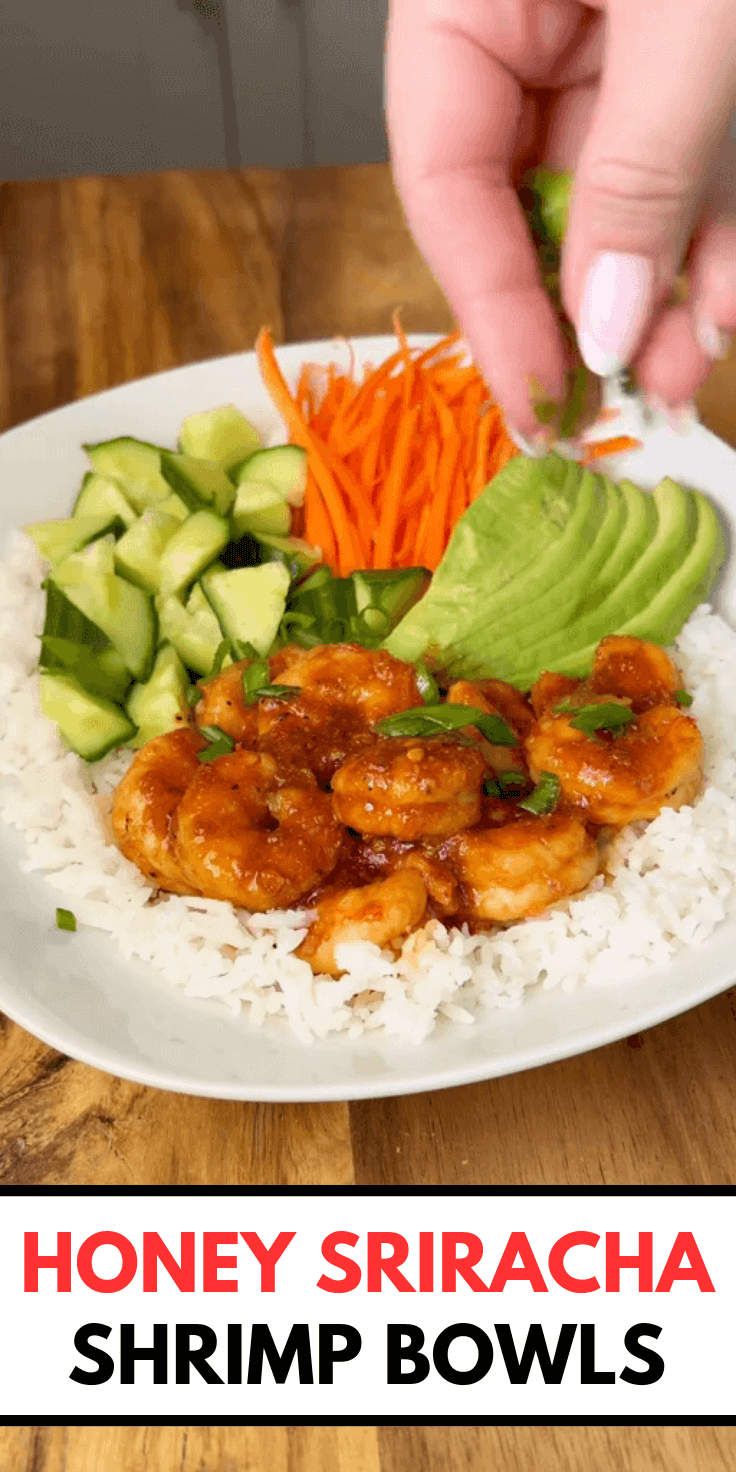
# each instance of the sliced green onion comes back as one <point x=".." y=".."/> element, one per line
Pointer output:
<point x="512" y="781"/>
<point x="277" y="692"/>
<point x="592" y="718"/>
<point x="430" y="720"/>
<point x="194" y="695"/>
<point x="491" y="787"/>
<point x="219" y="744"/>
<point x="66" y="920"/>
<point x="545" y="796"/>
<point x="221" y="654"/>
<point x="243" y="650"/>
<point x="682" y="697"/>
<point x="292" y="619"/>
<point x="428" y="687"/>
<point x="375" y="620"/>
<point x="254" y="678"/>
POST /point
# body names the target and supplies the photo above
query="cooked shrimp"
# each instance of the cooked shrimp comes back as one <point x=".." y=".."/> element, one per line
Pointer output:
<point x="368" y="681"/>
<point x="521" y="868"/>
<point x="223" y="704"/>
<point x="248" y="833"/>
<point x="550" y="689"/>
<point x="410" y="788"/>
<point x="344" y="689"/>
<point x="506" y="702"/>
<point x="383" y="913"/>
<point x="145" y="806"/>
<point x="656" y="762"/>
<point x="636" y="671"/>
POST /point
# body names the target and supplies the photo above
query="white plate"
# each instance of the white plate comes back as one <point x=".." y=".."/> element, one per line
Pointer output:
<point x="76" y="992"/>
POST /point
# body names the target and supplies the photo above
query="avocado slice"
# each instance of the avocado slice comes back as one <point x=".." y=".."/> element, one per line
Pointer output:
<point x="513" y="524"/>
<point x="676" y="598"/>
<point x="553" y="563"/>
<point x="569" y="576"/>
<point x="570" y="651"/>
<point x="629" y="522"/>
<point x="689" y="584"/>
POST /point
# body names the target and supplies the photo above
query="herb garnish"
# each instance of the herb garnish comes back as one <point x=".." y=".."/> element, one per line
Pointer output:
<point x="545" y="796"/>
<point x="683" y="698"/>
<point x="65" y="920"/>
<point x="254" y="678"/>
<point x="219" y="744"/>
<point x="432" y="720"/>
<point x="603" y="717"/>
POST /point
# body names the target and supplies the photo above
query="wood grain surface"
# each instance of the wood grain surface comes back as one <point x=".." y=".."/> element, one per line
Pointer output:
<point x="105" y="280"/>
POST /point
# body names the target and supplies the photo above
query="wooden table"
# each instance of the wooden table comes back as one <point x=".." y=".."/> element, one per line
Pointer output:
<point x="108" y="279"/>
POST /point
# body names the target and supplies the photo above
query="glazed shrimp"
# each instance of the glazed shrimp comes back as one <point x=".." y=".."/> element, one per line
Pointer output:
<point x="223" y="704"/>
<point x="656" y="762"/>
<point x="504" y="701"/>
<point x="145" y="805"/>
<point x="384" y="913"/>
<point x="248" y="832"/>
<point x="636" y="671"/>
<point x="343" y="690"/>
<point x="520" y="869"/>
<point x="410" y="788"/>
<point x="369" y="682"/>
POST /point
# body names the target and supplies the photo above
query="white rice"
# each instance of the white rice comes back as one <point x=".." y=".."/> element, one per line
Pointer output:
<point x="673" y="883"/>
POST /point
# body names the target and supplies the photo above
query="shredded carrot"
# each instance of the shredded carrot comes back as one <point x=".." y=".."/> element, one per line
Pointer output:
<point x="600" y="448"/>
<point x="395" y="455"/>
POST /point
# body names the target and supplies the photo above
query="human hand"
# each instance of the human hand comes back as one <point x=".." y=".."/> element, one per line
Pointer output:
<point x="634" y="95"/>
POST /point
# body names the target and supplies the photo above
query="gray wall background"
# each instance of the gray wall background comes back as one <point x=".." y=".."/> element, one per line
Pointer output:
<point x="121" y="86"/>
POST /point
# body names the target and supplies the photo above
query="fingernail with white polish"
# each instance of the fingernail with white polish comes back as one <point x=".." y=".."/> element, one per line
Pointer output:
<point x="714" y="341"/>
<point x="535" y="446"/>
<point x="616" y="303"/>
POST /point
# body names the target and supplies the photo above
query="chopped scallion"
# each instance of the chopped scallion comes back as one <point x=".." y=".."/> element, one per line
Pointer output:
<point x="277" y="692"/>
<point x="254" y="678"/>
<point x="219" y="744"/>
<point x="431" y="720"/>
<point x="194" y="695"/>
<point x="603" y="717"/>
<point x="65" y="920"/>
<point x="545" y="797"/>
<point x="512" y="782"/>
<point x="683" y="698"/>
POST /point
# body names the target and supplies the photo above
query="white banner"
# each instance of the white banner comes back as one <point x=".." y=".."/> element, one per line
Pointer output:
<point x="348" y="1306"/>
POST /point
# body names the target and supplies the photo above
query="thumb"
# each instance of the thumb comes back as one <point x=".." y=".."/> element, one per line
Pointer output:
<point x="666" y="93"/>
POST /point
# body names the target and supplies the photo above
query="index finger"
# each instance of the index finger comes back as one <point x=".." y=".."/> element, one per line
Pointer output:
<point x="453" y="115"/>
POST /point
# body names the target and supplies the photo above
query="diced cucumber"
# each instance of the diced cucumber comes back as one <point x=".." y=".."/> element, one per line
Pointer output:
<point x="193" y="630"/>
<point x="160" y="704"/>
<point x="174" y="506"/>
<point x="138" y="554"/>
<point x="260" y="508"/>
<point x="56" y="539"/>
<point x="137" y="467"/>
<point x="194" y="545"/>
<point x="123" y="612"/>
<point x="293" y="553"/>
<point x="198" y="482"/>
<point x="284" y="468"/>
<point x="393" y="590"/>
<point x="100" y="494"/>
<point x="72" y="643"/>
<point x="222" y="434"/>
<point x="249" y="601"/>
<point x="91" y="725"/>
